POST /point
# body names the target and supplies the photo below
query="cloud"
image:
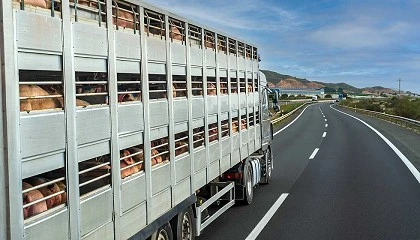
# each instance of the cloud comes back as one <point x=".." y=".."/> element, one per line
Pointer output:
<point x="362" y="33"/>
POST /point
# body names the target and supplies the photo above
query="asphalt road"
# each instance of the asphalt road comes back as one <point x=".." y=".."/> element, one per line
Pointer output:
<point x="355" y="187"/>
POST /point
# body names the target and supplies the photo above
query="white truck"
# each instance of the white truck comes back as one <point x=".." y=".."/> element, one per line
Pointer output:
<point x="122" y="120"/>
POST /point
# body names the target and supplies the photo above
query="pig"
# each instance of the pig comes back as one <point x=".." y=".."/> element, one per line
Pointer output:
<point x="243" y="124"/>
<point x="36" y="104"/>
<point x="181" y="147"/>
<point x="127" y="162"/>
<point x="47" y="191"/>
<point x="37" y="3"/>
<point x="32" y="196"/>
<point x="211" y="89"/>
<point x="234" y="126"/>
<point x="139" y="158"/>
<point x="213" y="136"/>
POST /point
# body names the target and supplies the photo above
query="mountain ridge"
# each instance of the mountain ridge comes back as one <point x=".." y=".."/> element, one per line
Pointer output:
<point x="276" y="79"/>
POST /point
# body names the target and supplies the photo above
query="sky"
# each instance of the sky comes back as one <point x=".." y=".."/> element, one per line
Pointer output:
<point x="362" y="43"/>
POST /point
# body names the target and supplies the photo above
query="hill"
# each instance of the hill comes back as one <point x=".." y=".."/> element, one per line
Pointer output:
<point x="286" y="81"/>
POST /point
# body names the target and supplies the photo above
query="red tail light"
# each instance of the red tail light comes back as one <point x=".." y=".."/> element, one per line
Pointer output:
<point x="233" y="176"/>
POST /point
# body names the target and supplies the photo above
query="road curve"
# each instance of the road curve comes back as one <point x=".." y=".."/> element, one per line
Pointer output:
<point x="353" y="187"/>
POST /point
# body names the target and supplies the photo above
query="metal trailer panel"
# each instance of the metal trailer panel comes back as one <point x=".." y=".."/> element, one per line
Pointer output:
<point x="222" y="60"/>
<point x="211" y="119"/>
<point x="198" y="122"/>
<point x="34" y="166"/>
<point x="198" y="107"/>
<point x="241" y="63"/>
<point x="95" y="211"/>
<point x="36" y="135"/>
<point x="245" y="137"/>
<point x="249" y="75"/>
<point x="54" y="227"/>
<point x="223" y="72"/>
<point x="178" y="53"/>
<point x="48" y="32"/>
<point x="249" y="64"/>
<point x="232" y="62"/>
<point x="251" y="146"/>
<point x="182" y="190"/>
<point x="213" y="170"/>
<point x="159" y="132"/>
<point x="225" y="146"/>
<point x="127" y="46"/>
<point x="214" y="149"/>
<point x="182" y="168"/>
<point x="128" y="66"/>
<point x="156" y="49"/>
<point x="196" y="71"/>
<point x="130" y="118"/>
<point x="180" y="110"/>
<point x="93" y="125"/>
<point x="212" y="104"/>
<point x="244" y="151"/>
<point x="104" y="232"/>
<point x="225" y="163"/>
<point x="210" y="57"/>
<point x="89" y="151"/>
<point x="199" y="159"/>
<point x="224" y="103"/>
<point x="159" y="204"/>
<point x="179" y="70"/>
<point x="256" y="99"/>
<point x="160" y="175"/>
<point x="181" y="127"/>
<point x="130" y="140"/>
<point x="235" y="141"/>
<point x="155" y="68"/>
<point x="89" y="40"/>
<point x="159" y="114"/>
<point x="210" y="72"/>
<point x="255" y="65"/>
<point x="133" y="192"/>
<point x="236" y="158"/>
<point x="133" y="221"/>
<point x="224" y="116"/>
<point x="234" y="102"/>
<point x="242" y="99"/>
<point x="35" y="61"/>
<point x="196" y="58"/>
<point x="200" y="179"/>
<point x="84" y="64"/>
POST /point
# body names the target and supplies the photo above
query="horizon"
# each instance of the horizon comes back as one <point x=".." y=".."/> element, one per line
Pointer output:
<point x="364" y="44"/>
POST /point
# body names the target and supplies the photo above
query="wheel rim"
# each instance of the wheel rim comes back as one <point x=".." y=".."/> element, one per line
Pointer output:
<point x="163" y="235"/>
<point x="248" y="184"/>
<point x="268" y="165"/>
<point x="186" y="227"/>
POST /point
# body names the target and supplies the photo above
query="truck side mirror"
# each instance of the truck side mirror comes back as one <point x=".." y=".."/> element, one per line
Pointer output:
<point x="276" y="98"/>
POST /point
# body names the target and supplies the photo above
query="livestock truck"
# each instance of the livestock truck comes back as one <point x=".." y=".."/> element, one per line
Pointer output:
<point x="122" y="120"/>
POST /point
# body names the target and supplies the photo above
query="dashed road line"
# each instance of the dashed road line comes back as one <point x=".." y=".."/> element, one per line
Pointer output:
<point x="263" y="222"/>
<point x="314" y="153"/>
<point x="324" y="135"/>
<point x="326" y="125"/>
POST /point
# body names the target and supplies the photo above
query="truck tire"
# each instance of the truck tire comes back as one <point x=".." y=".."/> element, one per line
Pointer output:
<point x="268" y="159"/>
<point x="184" y="225"/>
<point x="163" y="233"/>
<point x="248" y="188"/>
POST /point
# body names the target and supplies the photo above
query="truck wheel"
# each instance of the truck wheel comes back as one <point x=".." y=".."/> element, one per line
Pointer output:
<point x="268" y="158"/>
<point x="163" y="233"/>
<point x="184" y="225"/>
<point x="248" y="188"/>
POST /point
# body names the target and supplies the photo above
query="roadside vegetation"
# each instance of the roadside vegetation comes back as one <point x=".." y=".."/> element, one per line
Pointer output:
<point x="404" y="106"/>
<point x="285" y="109"/>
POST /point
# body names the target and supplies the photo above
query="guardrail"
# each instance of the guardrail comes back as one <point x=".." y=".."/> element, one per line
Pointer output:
<point x="401" y="121"/>
<point x="289" y="113"/>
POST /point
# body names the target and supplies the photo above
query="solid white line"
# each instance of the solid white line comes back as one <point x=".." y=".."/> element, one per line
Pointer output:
<point x="403" y="158"/>
<point x="326" y="125"/>
<point x="263" y="222"/>
<point x="281" y="130"/>
<point x="314" y="153"/>
<point x="324" y="135"/>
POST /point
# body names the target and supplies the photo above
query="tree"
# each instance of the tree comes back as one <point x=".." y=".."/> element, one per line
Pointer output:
<point x="340" y="91"/>
<point x="284" y="96"/>
<point x="328" y="96"/>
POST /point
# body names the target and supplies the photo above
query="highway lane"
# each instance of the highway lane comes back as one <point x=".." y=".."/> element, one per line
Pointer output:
<point x="292" y="148"/>
<point x="356" y="187"/>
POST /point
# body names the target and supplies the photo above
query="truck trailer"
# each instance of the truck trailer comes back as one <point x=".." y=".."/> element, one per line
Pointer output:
<point x="121" y="120"/>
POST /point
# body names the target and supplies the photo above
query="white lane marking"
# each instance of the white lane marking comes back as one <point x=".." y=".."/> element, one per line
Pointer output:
<point x="263" y="222"/>
<point x="325" y="119"/>
<point x="326" y="125"/>
<point x="324" y="135"/>
<point x="403" y="158"/>
<point x="281" y="130"/>
<point x="314" y="153"/>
